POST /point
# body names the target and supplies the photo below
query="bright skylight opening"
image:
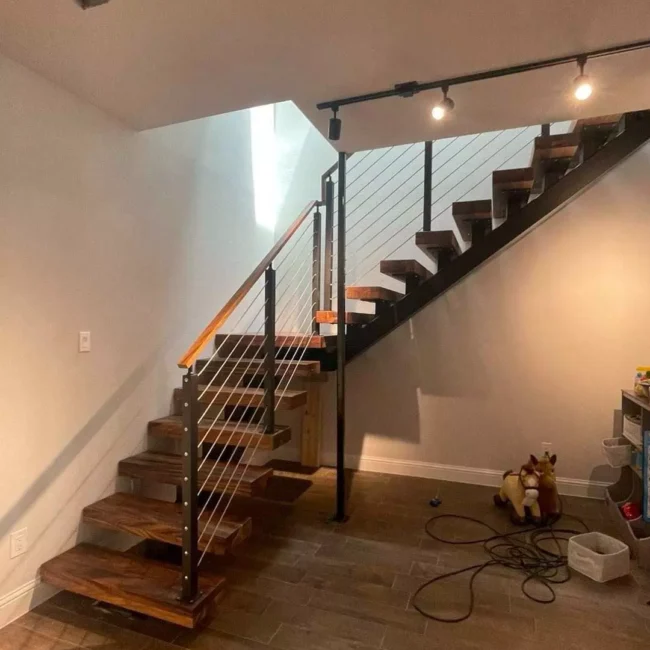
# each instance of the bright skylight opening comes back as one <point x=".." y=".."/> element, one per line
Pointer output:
<point x="264" y="156"/>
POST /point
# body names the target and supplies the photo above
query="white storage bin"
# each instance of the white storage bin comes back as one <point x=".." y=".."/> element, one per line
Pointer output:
<point x="599" y="556"/>
<point x="632" y="430"/>
<point x="618" y="451"/>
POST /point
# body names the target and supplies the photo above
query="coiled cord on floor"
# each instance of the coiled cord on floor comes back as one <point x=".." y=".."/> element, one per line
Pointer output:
<point x="511" y="550"/>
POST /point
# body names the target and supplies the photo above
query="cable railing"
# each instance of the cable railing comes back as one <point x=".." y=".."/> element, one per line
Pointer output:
<point x="229" y="397"/>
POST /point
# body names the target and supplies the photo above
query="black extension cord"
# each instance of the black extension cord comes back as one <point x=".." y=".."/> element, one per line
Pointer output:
<point x="509" y="550"/>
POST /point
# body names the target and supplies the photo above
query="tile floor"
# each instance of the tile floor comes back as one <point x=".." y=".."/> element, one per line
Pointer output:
<point x="305" y="584"/>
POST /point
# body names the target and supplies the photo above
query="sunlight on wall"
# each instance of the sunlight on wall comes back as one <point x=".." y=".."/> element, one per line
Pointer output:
<point x="264" y="159"/>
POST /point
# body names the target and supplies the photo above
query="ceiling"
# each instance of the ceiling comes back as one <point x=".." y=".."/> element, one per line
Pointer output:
<point x="156" y="62"/>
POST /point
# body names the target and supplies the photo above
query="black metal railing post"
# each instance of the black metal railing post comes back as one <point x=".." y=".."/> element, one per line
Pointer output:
<point x="269" y="349"/>
<point x="428" y="173"/>
<point x="546" y="130"/>
<point x="190" y="438"/>
<point x="316" y="269"/>
<point x="340" y="348"/>
<point x="329" y="244"/>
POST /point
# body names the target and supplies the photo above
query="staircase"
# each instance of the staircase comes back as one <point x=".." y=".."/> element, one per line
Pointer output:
<point x="276" y="333"/>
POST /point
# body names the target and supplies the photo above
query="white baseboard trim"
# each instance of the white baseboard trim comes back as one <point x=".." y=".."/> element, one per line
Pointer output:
<point x="459" y="474"/>
<point x="19" y="601"/>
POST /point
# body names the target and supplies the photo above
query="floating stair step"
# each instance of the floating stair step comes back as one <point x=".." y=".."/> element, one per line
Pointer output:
<point x="513" y="179"/>
<point x="440" y="245"/>
<point x="411" y="272"/>
<point x="606" y="122"/>
<point x="553" y="147"/>
<point x="472" y="216"/>
<point x="373" y="294"/>
<point x="168" y="468"/>
<point x="285" y="400"/>
<point x="240" y="434"/>
<point x="246" y="367"/>
<point x="351" y="318"/>
<point x="163" y="521"/>
<point x="287" y="340"/>
<point x="130" y="581"/>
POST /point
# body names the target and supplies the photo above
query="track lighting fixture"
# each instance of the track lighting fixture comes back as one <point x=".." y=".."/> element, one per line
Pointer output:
<point x="582" y="87"/>
<point x="443" y="107"/>
<point x="335" y="125"/>
<point x="88" y="4"/>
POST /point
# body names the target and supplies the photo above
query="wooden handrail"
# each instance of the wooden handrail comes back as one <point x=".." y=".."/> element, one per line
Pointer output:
<point x="195" y="349"/>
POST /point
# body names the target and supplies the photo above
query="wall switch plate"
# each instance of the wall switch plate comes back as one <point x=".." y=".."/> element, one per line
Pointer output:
<point x="546" y="448"/>
<point x="84" y="341"/>
<point x="18" y="544"/>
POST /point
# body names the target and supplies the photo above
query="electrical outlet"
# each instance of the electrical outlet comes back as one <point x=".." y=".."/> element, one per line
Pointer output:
<point x="84" y="341"/>
<point x="546" y="448"/>
<point x="18" y="544"/>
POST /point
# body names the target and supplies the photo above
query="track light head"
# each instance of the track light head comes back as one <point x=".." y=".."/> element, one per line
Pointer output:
<point x="582" y="87"/>
<point x="88" y="4"/>
<point x="335" y="126"/>
<point x="446" y="105"/>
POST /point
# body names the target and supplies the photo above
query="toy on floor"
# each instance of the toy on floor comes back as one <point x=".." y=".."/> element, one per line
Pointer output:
<point x="549" y="500"/>
<point x="522" y="492"/>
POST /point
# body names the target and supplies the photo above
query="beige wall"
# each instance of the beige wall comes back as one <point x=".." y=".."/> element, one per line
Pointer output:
<point x="534" y="346"/>
<point x="139" y="238"/>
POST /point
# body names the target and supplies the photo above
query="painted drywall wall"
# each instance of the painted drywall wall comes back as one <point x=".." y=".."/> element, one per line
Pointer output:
<point x="532" y="347"/>
<point x="137" y="237"/>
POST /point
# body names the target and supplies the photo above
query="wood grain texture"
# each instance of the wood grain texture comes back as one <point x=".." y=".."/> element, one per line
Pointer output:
<point x="604" y="121"/>
<point x="372" y="294"/>
<point x="351" y="318"/>
<point x="222" y="316"/>
<point x="282" y="340"/>
<point x="513" y="179"/>
<point x="312" y="425"/>
<point x="404" y="269"/>
<point x="246" y="367"/>
<point x="130" y="581"/>
<point x="162" y="521"/>
<point x="548" y="147"/>
<point x="286" y="400"/>
<point x="481" y="209"/>
<point x="437" y="240"/>
<point x="239" y="434"/>
<point x="167" y="468"/>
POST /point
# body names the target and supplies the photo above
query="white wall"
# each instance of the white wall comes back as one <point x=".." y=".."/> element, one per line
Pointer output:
<point x="139" y="238"/>
<point x="534" y="346"/>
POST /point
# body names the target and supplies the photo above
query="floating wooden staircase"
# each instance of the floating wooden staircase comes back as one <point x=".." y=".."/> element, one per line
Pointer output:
<point x="149" y="587"/>
<point x="250" y="371"/>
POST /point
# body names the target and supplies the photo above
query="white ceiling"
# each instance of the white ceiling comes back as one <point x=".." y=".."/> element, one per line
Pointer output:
<point x="155" y="62"/>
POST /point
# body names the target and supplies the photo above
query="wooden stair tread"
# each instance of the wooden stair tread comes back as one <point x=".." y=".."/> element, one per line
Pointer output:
<point x="604" y="121"/>
<point x="513" y="179"/>
<point x="130" y="581"/>
<point x="247" y="397"/>
<point x="562" y="145"/>
<point x="373" y="294"/>
<point x="402" y="269"/>
<point x="256" y="366"/>
<point x="163" y="521"/>
<point x="167" y="468"/>
<point x="472" y="210"/>
<point x="436" y="240"/>
<point x="282" y="340"/>
<point x="239" y="434"/>
<point x="351" y="318"/>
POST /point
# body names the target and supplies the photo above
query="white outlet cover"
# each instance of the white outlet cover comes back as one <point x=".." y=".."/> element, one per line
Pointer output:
<point x="18" y="544"/>
<point x="84" y="341"/>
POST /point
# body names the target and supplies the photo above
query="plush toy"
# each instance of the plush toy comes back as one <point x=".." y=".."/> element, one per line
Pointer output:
<point x="521" y="491"/>
<point x="549" y="500"/>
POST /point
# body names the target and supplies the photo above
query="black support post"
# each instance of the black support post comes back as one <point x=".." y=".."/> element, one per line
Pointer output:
<point x="546" y="129"/>
<point x="269" y="350"/>
<point x="329" y="245"/>
<point x="190" y="439"/>
<point x="428" y="173"/>
<point x="315" y="270"/>
<point x="340" y="348"/>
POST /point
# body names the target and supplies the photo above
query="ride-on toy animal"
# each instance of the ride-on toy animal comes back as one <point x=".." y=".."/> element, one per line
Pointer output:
<point x="549" y="500"/>
<point x="522" y="492"/>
